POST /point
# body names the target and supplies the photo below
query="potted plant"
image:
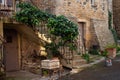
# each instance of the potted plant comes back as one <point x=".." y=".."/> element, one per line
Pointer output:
<point x="108" y="60"/>
<point x="111" y="50"/>
<point x="109" y="53"/>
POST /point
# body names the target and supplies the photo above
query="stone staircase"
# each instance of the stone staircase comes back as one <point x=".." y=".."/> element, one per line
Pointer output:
<point x="74" y="63"/>
<point x="78" y="61"/>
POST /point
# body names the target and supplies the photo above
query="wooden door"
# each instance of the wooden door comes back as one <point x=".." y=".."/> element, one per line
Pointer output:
<point x="11" y="50"/>
<point x="81" y="37"/>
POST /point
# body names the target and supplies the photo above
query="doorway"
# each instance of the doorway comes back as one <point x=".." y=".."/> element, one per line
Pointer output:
<point x="81" y="37"/>
<point x="11" y="50"/>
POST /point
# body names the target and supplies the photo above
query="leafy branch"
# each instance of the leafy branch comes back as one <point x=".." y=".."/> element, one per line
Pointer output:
<point x="59" y="26"/>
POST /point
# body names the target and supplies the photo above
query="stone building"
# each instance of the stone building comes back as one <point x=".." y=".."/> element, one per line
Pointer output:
<point x="21" y="41"/>
<point x="18" y="42"/>
<point x="116" y="16"/>
<point x="91" y="16"/>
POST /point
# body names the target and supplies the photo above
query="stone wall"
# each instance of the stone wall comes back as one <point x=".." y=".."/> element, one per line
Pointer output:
<point x="103" y="34"/>
<point x="30" y="53"/>
<point x="46" y="5"/>
<point x="85" y="11"/>
<point x="82" y="8"/>
<point x="82" y="11"/>
<point x="116" y="16"/>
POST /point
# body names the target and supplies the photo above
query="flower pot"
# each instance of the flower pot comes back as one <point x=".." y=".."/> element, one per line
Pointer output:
<point x="111" y="52"/>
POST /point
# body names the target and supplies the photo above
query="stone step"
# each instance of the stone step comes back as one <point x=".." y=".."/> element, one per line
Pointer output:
<point x="79" y="62"/>
<point x="77" y="57"/>
<point x="66" y="64"/>
<point x="73" y="63"/>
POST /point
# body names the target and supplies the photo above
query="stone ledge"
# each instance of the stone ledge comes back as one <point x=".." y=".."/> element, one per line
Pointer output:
<point x="79" y="68"/>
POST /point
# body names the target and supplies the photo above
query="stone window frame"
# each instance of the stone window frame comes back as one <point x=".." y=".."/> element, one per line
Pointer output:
<point x="78" y="0"/>
<point x="2" y="2"/>
<point x="8" y="3"/>
<point x="92" y="2"/>
<point x="83" y="3"/>
<point x="103" y="5"/>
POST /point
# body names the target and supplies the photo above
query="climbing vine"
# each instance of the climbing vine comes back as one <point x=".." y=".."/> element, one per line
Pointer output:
<point x="111" y="27"/>
<point x="59" y="26"/>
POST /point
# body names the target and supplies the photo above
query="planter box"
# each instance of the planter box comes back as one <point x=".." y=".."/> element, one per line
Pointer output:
<point x="50" y="64"/>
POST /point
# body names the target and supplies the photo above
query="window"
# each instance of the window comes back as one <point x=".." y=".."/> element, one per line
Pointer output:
<point x="6" y="2"/>
<point x="78" y="0"/>
<point x="103" y="5"/>
<point x="1" y="1"/>
<point x="9" y="3"/>
<point x="92" y="2"/>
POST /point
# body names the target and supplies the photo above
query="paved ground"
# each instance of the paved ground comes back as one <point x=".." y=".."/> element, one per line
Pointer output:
<point x="98" y="72"/>
<point x="95" y="72"/>
<point x="26" y="75"/>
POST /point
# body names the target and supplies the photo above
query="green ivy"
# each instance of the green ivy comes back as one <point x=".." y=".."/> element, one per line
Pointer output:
<point x="31" y="15"/>
<point x="61" y="26"/>
<point x="110" y="26"/>
<point x="86" y="57"/>
<point x="27" y="14"/>
<point x="58" y="26"/>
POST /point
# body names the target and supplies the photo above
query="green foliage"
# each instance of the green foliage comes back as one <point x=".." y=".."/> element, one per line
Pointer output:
<point x="118" y="48"/>
<point x="111" y="46"/>
<point x="110" y="19"/>
<point x="94" y="51"/>
<point x="31" y="15"/>
<point x="72" y="46"/>
<point x="86" y="57"/>
<point x="53" y="47"/>
<point x="114" y="34"/>
<point x="110" y="26"/>
<point x="104" y="53"/>
<point x="45" y="72"/>
<point x="27" y="14"/>
<point x="61" y="26"/>
<point x="58" y="26"/>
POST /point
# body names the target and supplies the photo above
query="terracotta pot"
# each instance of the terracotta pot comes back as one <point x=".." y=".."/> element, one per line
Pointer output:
<point x="111" y="52"/>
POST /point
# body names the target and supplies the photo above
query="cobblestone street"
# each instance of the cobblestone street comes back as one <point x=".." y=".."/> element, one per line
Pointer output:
<point x="98" y="72"/>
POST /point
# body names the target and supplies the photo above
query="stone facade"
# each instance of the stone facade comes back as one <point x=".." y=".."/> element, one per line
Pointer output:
<point x="29" y="51"/>
<point x="116" y="16"/>
<point x="93" y="16"/>
<point x="92" y="19"/>
<point x="93" y="13"/>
